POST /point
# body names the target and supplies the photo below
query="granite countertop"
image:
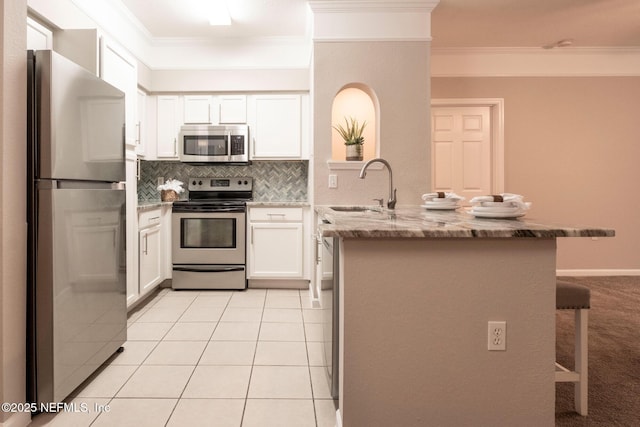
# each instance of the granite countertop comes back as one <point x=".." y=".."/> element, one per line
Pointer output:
<point x="417" y="222"/>
<point x="268" y="204"/>
<point x="152" y="204"/>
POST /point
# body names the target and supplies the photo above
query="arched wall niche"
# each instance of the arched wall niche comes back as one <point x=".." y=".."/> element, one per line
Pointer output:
<point x="359" y="101"/>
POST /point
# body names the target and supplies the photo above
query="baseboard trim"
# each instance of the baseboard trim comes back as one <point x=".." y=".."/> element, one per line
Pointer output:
<point x="598" y="272"/>
<point x="278" y="284"/>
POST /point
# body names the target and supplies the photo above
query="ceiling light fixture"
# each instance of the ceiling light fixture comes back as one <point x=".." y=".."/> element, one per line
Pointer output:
<point x="559" y="43"/>
<point x="218" y="13"/>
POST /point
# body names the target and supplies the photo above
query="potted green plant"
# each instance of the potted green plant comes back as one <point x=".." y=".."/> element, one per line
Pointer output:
<point x="351" y="133"/>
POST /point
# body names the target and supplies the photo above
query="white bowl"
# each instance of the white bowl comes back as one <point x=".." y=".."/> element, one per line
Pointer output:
<point x="496" y="204"/>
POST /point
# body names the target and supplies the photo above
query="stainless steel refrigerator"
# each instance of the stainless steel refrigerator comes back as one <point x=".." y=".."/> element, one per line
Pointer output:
<point x="76" y="289"/>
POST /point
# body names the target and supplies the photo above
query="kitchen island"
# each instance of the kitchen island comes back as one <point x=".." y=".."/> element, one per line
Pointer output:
<point x="417" y="290"/>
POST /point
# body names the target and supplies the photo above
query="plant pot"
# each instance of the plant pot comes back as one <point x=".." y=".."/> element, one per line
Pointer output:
<point x="354" y="152"/>
<point x="168" y="195"/>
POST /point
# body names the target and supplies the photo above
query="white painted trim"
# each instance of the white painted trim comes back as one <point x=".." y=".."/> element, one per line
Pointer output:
<point x="359" y="20"/>
<point x="598" y="272"/>
<point x="497" y="132"/>
<point x="390" y="6"/>
<point x="338" y="418"/>
<point x="534" y="62"/>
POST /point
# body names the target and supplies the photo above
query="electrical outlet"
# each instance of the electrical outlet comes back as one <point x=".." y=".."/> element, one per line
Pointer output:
<point x="497" y="336"/>
<point x="333" y="181"/>
<point x="160" y="180"/>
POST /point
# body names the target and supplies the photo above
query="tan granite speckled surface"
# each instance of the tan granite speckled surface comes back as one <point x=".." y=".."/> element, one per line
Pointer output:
<point x="417" y="222"/>
<point x="145" y="206"/>
<point x="270" y="204"/>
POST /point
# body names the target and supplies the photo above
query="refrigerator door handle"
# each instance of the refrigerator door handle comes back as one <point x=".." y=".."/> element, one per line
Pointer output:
<point x="68" y="184"/>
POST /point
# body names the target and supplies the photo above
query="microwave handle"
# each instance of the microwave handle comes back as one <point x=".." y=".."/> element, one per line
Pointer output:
<point x="229" y="143"/>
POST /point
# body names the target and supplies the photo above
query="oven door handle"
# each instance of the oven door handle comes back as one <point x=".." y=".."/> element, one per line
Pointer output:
<point x="208" y="269"/>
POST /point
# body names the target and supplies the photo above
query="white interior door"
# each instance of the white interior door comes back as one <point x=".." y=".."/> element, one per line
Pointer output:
<point x="461" y="150"/>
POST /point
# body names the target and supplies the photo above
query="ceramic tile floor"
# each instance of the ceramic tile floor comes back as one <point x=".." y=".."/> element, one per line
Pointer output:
<point x="212" y="358"/>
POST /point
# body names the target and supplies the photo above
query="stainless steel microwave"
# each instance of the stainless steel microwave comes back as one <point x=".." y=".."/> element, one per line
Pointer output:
<point x="214" y="144"/>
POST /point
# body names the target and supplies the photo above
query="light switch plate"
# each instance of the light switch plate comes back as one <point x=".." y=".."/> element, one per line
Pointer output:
<point x="333" y="181"/>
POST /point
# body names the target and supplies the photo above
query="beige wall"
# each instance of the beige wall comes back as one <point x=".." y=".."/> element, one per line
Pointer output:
<point x="572" y="148"/>
<point x="398" y="74"/>
<point x="414" y="338"/>
<point x="13" y="15"/>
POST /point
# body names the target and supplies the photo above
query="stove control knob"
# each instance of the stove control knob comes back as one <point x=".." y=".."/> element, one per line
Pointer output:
<point x="199" y="182"/>
<point x="194" y="182"/>
<point x="239" y="182"/>
<point x="246" y="182"/>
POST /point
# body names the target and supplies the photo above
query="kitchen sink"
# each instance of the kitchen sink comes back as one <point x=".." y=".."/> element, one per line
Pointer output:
<point x="356" y="209"/>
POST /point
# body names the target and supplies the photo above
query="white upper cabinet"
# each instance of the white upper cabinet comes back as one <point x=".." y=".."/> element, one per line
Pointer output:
<point x="197" y="109"/>
<point x="233" y="109"/>
<point x="279" y="127"/>
<point x="278" y="123"/>
<point x="168" y="127"/>
<point x="38" y="36"/>
<point x="141" y="124"/>
<point x="120" y="69"/>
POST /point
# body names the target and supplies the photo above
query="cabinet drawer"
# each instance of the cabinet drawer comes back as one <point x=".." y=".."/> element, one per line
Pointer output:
<point x="275" y="214"/>
<point x="148" y="218"/>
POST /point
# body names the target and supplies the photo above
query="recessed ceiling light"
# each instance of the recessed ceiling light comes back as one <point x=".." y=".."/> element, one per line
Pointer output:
<point x="218" y="13"/>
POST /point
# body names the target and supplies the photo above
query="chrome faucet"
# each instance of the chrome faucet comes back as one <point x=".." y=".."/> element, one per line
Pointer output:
<point x="391" y="203"/>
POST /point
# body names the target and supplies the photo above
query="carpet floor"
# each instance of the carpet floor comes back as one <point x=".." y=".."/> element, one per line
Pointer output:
<point x="614" y="354"/>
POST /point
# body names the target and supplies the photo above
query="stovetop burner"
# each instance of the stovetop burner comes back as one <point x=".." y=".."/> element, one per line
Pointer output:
<point x="217" y="194"/>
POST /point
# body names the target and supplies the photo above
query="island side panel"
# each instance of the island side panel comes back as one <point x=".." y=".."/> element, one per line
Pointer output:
<point x="415" y="332"/>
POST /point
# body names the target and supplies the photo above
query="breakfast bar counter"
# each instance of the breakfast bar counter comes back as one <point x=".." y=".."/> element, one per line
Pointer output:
<point x="418" y="222"/>
<point x="417" y="289"/>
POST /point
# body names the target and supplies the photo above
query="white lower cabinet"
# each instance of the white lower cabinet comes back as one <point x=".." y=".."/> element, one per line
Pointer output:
<point x="276" y="243"/>
<point x="150" y="258"/>
<point x="151" y="254"/>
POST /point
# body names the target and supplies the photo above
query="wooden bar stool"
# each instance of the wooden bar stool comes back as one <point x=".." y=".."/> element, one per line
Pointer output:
<point x="570" y="296"/>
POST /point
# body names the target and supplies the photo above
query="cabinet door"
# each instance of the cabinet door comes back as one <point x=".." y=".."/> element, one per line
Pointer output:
<point x="276" y="250"/>
<point x="277" y="131"/>
<point x="233" y="109"/>
<point x="133" y="289"/>
<point x="197" y="109"/>
<point x="141" y="124"/>
<point x="38" y="36"/>
<point x="168" y="127"/>
<point x="150" y="258"/>
<point x="120" y="69"/>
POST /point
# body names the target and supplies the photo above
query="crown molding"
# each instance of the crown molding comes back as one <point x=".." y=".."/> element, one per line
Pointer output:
<point x="119" y="24"/>
<point x="229" y="41"/>
<point x="371" y="20"/>
<point x="535" y="62"/>
<point x="345" y="6"/>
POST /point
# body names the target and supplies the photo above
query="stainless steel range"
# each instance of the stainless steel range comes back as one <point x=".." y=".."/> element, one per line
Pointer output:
<point x="209" y="234"/>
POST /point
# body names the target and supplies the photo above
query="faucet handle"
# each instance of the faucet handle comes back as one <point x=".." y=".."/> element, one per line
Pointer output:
<point x="380" y="202"/>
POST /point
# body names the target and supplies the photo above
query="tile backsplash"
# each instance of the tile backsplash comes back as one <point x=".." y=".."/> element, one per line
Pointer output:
<point x="272" y="180"/>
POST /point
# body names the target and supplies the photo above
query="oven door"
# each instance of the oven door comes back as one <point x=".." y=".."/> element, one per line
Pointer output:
<point x="208" y="238"/>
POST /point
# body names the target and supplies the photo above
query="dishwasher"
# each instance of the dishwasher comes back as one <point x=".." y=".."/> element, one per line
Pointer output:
<point x="330" y="298"/>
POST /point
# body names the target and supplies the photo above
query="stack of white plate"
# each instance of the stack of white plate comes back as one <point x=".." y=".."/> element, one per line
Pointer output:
<point x="442" y="203"/>
<point x="497" y="210"/>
